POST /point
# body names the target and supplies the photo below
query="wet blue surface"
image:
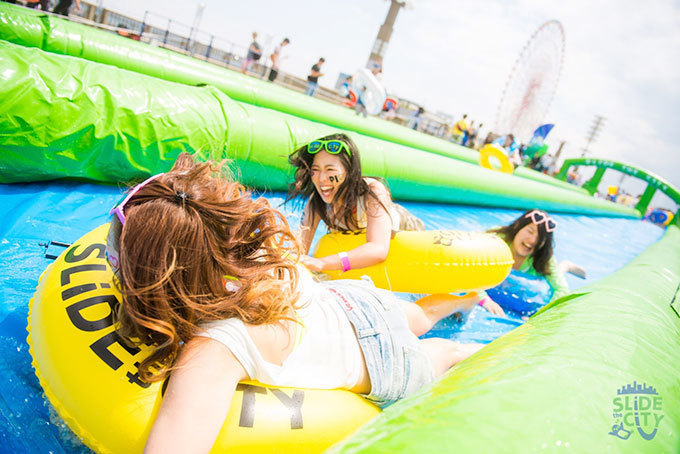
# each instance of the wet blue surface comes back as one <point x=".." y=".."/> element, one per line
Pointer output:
<point x="37" y="213"/>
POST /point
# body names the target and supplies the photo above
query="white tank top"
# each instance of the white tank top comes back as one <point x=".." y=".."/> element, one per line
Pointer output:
<point x="326" y="355"/>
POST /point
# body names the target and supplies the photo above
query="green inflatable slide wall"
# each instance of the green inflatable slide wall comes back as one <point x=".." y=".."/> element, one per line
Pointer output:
<point x="567" y="379"/>
<point x="64" y="117"/>
<point x="34" y="29"/>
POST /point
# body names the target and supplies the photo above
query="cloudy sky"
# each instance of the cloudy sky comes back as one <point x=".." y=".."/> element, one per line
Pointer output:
<point x="621" y="60"/>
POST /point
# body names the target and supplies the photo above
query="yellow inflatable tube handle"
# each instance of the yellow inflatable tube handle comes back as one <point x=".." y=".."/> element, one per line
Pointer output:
<point x="433" y="261"/>
<point x="90" y="375"/>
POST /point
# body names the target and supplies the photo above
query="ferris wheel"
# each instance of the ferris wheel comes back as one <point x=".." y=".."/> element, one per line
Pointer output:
<point x="532" y="83"/>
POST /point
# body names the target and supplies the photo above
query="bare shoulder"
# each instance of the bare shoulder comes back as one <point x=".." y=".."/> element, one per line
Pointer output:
<point x="381" y="192"/>
<point x="376" y="186"/>
<point x="210" y="356"/>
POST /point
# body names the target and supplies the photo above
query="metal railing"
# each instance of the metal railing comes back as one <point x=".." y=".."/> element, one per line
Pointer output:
<point x="165" y="32"/>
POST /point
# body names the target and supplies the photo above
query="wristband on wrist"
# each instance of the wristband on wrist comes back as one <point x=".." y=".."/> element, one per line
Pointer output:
<point x="344" y="259"/>
<point x="484" y="300"/>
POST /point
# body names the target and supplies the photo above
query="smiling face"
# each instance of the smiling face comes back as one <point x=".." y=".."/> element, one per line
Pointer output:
<point x="525" y="241"/>
<point x="328" y="173"/>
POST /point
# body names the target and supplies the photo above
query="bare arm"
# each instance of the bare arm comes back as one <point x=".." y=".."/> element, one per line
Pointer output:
<point x="378" y="235"/>
<point x="308" y="226"/>
<point x="197" y="399"/>
<point x="490" y="305"/>
<point x="556" y="279"/>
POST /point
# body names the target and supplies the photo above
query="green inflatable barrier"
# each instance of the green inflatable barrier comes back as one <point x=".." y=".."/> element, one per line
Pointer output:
<point x="654" y="182"/>
<point x="63" y="117"/>
<point x="30" y="28"/>
<point x="596" y="371"/>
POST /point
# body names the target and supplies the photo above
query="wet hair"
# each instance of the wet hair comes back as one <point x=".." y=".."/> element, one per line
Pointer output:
<point x="185" y="231"/>
<point x="352" y="188"/>
<point x="544" y="248"/>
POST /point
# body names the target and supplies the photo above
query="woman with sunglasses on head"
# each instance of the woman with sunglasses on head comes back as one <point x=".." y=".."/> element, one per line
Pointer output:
<point x="328" y="174"/>
<point x="530" y="238"/>
<point x="209" y="278"/>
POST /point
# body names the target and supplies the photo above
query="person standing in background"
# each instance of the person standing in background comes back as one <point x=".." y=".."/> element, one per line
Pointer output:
<point x="414" y="120"/>
<point x="389" y="110"/>
<point x="475" y="138"/>
<point x="34" y="4"/>
<point x="377" y="72"/>
<point x="63" y="6"/>
<point x="254" y="54"/>
<point x="460" y="130"/>
<point x="466" y="134"/>
<point x="346" y="88"/>
<point x="313" y="77"/>
<point x="360" y="105"/>
<point x="276" y="58"/>
<point x="471" y="135"/>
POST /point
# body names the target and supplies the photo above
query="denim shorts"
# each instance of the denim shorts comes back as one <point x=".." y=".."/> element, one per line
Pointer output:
<point x="396" y="362"/>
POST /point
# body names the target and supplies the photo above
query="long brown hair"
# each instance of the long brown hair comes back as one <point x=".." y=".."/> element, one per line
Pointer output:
<point x="544" y="249"/>
<point x="183" y="233"/>
<point x="352" y="188"/>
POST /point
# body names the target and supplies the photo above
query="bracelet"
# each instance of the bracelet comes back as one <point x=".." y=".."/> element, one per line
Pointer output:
<point x="344" y="259"/>
<point x="483" y="300"/>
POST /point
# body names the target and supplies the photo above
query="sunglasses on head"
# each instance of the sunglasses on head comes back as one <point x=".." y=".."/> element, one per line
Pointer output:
<point x="118" y="209"/>
<point x="539" y="217"/>
<point x="331" y="146"/>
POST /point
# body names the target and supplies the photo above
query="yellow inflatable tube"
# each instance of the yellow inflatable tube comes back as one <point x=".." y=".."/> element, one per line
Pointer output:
<point x="90" y="376"/>
<point x="493" y="151"/>
<point x="433" y="261"/>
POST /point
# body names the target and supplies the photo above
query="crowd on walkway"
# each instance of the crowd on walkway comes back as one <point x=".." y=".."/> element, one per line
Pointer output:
<point x="466" y="132"/>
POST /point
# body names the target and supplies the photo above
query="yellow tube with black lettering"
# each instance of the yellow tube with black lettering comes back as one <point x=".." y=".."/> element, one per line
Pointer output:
<point x="431" y="261"/>
<point x="90" y="375"/>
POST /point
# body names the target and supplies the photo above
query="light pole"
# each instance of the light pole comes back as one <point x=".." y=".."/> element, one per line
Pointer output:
<point x="98" y="11"/>
<point x="197" y="21"/>
<point x="592" y="134"/>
